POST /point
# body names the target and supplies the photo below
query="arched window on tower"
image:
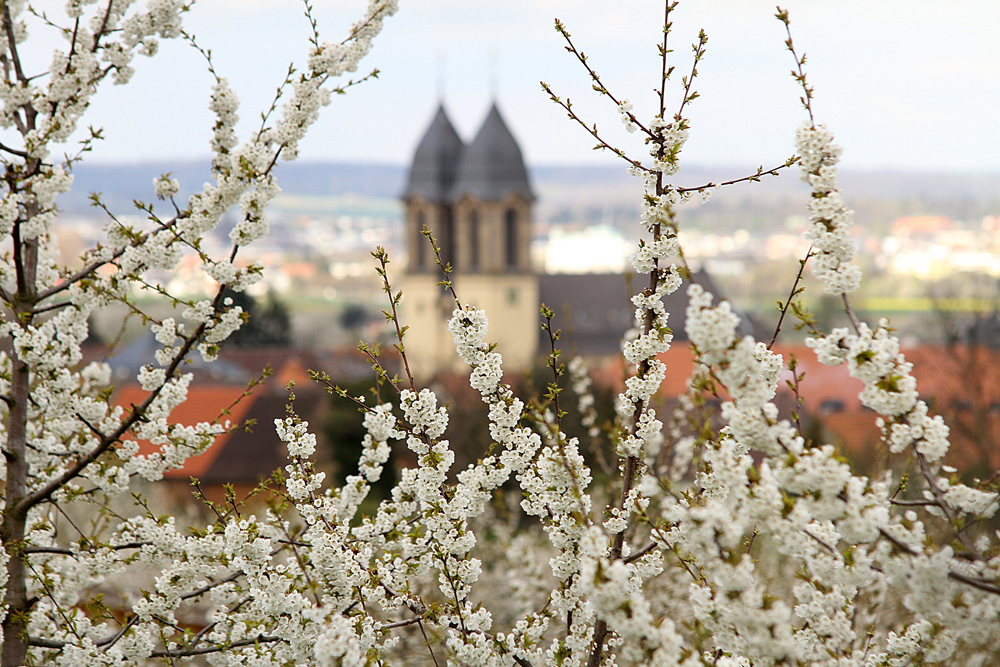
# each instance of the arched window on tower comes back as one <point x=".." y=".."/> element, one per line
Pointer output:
<point x="420" y="243"/>
<point x="511" y="234"/>
<point x="474" y="240"/>
<point x="447" y="235"/>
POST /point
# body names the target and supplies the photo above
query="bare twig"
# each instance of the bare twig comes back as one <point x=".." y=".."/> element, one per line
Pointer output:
<point x="752" y="178"/>
<point x="798" y="73"/>
<point x="598" y="85"/>
<point x="850" y="313"/>
<point x="791" y="296"/>
<point x="592" y="130"/>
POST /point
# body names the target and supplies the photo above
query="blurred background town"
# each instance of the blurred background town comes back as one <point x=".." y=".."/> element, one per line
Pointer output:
<point x="920" y="170"/>
<point x="929" y="244"/>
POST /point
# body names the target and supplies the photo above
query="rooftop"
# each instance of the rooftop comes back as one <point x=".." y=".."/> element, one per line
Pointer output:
<point x="435" y="163"/>
<point x="492" y="166"/>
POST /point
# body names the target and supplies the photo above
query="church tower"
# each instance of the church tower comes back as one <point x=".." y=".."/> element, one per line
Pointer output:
<point x="477" y="201"/>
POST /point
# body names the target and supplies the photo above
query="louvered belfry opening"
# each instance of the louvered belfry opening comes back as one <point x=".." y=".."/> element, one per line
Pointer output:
<point x="419" y="244"/>
<point x="510" y="235"/>
<point x="474" y="240"/>
<point x="446" y="234"/>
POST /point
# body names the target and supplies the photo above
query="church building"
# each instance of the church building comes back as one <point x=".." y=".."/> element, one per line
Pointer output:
<point x="477" y="201"/>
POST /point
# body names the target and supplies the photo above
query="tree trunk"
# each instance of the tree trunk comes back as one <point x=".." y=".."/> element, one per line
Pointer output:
<point x="15" y="623"/>
<point x="15" y="627"/>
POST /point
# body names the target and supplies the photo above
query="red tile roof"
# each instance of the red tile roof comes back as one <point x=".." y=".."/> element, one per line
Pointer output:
<point x="204" y="404"/>
<point x="960" y="383"/>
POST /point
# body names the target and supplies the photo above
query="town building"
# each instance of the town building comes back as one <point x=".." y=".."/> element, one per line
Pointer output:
<point x="477" y="201"/>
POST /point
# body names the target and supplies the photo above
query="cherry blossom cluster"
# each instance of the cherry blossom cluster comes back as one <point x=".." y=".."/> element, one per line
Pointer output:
<point x="554" y="478"/>
<point x="603" y="594"/>
<point x="424" y="498"/>
<point x="830" y="228"/>
<point x="802" y="503"/>
<point x="66" y="441"/>
<point x="106" y="44"/>
<point x="771" y="552"/>
<point x="870" y="586"/>
<point x="654" y="336"/>
<point x="614" y="591"/>
<point x="670" y="139"/>
<point x="625" y="110"/>
<point x="582" y="387"/>
<point x="874" y="358"/>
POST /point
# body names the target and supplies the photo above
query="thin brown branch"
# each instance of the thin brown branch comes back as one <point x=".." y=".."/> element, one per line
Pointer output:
<point x="207" y="587"/>
<point x="598" y="85"/>
<point x="211" y="626"/>
<point x="855" y="322"/>
<point x="50" y="308"/>
<point x="382" y="257"/>
<point x="368" y="21"/>
<point x="798" y="73"/>
<point x="427" y="641"/>
<point x="8" y="28"/>
<point x="981" y="584"/>
<point x="45" y="643"/>
<point x="95" y="265"/>
<point x="108" y="642"/>
<point x="753" y="178"/>
<point x="14" y="151"/>
<point x="403" y="623"/>
<point x="445" y="266"/>
<point x="102" y="30"/>
<point x="699" y="53"/>
<point x="632" y="462"/>
<point x="942" y="503"/>
<point x="664" y="51"/>
<point x="791" y="295"/>
<point x="68" y="552"/>
<point x="261" y="639"/>
<point x="636" y="555"/>
<point x="110" y="439"/>
<point x="568" y="107"/>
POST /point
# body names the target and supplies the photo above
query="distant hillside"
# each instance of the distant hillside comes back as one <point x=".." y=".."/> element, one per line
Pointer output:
<point x="120" y="184"/>
<point x="883" y="185"/>
<point x="949" y="194"/>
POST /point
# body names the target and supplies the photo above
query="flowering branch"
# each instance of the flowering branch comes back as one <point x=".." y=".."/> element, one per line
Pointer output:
<point x="602" y="144"/>
<point x="598" y="86"/>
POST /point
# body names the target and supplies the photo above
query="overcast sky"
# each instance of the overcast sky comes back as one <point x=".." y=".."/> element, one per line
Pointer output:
<point x="904" y="84"/>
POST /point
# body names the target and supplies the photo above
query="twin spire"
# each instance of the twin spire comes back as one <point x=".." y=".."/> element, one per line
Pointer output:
<point x="444" y="169"/>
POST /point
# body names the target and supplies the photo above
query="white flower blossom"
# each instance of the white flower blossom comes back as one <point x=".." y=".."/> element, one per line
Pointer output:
<point x="830" y="228"/>
<point x="166" y="187"/>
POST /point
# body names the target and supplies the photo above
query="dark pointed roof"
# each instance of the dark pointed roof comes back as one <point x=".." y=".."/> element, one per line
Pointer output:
<point x="492" y="166"/>
<point x="436" y="161"/>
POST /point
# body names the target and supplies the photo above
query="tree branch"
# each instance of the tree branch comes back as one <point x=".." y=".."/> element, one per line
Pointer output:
<point x="261" y="639"/>
<point x="753" y="178"/>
